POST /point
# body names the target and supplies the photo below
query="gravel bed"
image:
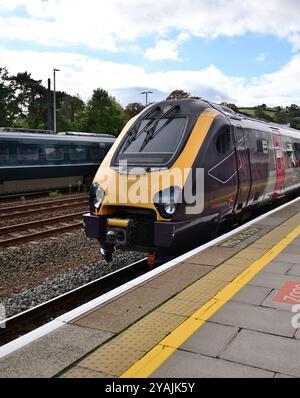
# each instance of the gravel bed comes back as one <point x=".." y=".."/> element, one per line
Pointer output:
<point x="42" y="216"/>
<point x="34" y="273"/>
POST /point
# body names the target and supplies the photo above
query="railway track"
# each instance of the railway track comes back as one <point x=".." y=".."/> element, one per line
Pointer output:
<point x="26" y="232"/>
<point x="38" y="316"/>
<point x="41" y="208"/>
<point x="31" y="195"/>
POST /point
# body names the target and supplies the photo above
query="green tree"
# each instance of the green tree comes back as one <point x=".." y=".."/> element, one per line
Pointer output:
<point x="6" y="99"/>
<point x="67" y="108"/>
<point x="295" y="123"/>
<point x="293" y="111"/>
<point x="103" y="114"/>
<point x="178" y="94"/>
<point x="30" y="101"/>
<point x="262" y="115"/>
<point x="280" y="116"/>
<point x="133" y="109"/>
<point x="230" y="106"/>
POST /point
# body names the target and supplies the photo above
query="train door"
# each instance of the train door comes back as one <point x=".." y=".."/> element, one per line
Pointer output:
<point x="280" y="173"/>
<point x="243" y="168"/>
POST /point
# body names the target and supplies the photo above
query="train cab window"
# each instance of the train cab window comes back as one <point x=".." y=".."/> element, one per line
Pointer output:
<point x="77" y="153"/>
<point x="54" y="154"/>
<point x="224" y="143"/>
<point x="27" y="153"/>
<point x="4" y="153"/>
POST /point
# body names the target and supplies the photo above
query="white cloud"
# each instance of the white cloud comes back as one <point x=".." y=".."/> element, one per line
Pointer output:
<point x="81" y="74"/>
<point x="167" y="49"/>
<point x="295" y="40"/>
<point x="261" y="57"/>
<point x="108" y="24"/>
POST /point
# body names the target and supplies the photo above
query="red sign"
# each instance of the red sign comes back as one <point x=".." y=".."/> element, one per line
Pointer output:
<point x="289" y="293"/>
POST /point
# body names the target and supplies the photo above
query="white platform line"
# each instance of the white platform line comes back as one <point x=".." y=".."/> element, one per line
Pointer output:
<point x="69" y="316"/>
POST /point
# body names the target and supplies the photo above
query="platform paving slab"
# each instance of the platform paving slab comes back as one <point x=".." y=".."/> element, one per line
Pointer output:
<point x="211" y="339"/>
<point x="273" y="221"/>
<point x="266" y="351"/>
<point x="276" y="267"/>
<point x="292" y="250"/>
<point x="179" y="278"/>
<point x="125" y="310"/>
<point x="213" y="256"/>
<point x="184" y="364"/>
<point x="52" y="353"/>
<point x="268" y="302"/>
<point x="294" y="270"/>
<point x="180" y="307"/>
<point x="111" y="359"/>
<point x="296" y="242"/>
<point x="258" y="318"/>
<point x="282" y="376"/>
<point x="287" y="257"/>
<point x="253" y="295"/>
<point x="78" y="372"/>
<point x="271" y="280"/>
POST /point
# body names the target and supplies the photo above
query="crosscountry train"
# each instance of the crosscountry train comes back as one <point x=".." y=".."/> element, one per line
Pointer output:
<point x="40" y="160"/>
<point x="246" y="162"/>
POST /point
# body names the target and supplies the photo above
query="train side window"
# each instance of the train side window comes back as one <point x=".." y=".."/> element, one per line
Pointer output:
<point x="262" y="146"/>
<point x="4" y="153"/>
<point x="54" y="154"/>
<point x="27" y="153"/>
<point x="291" y="158"/>
<point x="297" y="153"/>
<point x="223" y="143"/>
<point x="77" y="153"/>
<point x="95" y="154"/>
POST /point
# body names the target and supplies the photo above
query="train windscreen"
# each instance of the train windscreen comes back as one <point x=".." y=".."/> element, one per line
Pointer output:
<point x="154" y="142"/>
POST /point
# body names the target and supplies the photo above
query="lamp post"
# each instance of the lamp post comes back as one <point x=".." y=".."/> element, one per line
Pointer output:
<point x="54" y="99"/>
<point x="147" y="93"/>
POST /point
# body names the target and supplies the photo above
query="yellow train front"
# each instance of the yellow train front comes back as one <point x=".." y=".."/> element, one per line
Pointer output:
<point x="180" y="169"/>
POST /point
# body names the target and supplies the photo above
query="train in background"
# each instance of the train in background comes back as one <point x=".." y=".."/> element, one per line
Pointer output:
<point x="34" y="160"/>
<point x="247" y="163"/>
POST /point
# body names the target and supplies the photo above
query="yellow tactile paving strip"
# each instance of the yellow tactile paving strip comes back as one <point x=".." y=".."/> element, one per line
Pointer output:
<point x="128" y="354"/>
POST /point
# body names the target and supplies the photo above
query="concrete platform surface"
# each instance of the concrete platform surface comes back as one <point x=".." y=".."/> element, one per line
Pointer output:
<point x="225" y="312"/>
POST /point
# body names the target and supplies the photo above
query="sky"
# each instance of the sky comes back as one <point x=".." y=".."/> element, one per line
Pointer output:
<point x="244" y="52"/>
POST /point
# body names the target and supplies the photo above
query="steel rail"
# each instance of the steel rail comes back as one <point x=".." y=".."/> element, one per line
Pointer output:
<point x="39" y="223"/>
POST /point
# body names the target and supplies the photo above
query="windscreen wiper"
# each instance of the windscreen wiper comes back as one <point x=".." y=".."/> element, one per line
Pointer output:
<point x="134" y="133"/>
<point x="151" y="131"/>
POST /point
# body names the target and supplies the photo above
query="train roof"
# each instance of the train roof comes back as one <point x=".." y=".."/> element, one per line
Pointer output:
<point x="246" y="121"/>
<point x="47" y="135"/>
<point x="240" y="116"/>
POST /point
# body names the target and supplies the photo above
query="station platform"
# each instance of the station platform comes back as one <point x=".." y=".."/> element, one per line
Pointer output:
<point x="231" y="310"/>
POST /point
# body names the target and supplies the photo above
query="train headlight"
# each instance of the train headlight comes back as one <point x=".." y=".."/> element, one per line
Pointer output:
<point x="100" y="195"/>
<point x="167" y="201"/>
<point x="97" y="196"/>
